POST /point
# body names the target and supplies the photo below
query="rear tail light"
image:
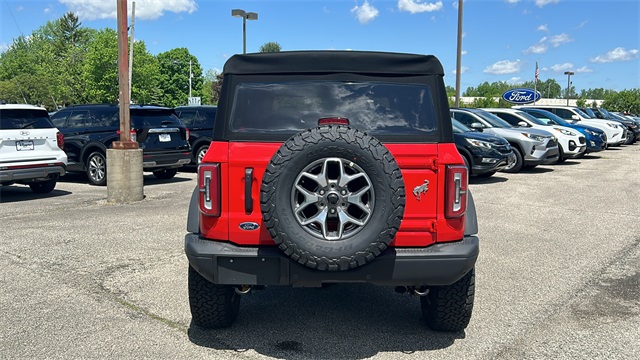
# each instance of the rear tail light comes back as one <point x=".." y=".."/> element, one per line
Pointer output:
<point x="456" y="191"/>
<point x="133" y="135"/>
<point x="333" y="121"/>
<point x="60" y="140"/>
<point x="187" y="134"/>
<point x="209" y="188"/>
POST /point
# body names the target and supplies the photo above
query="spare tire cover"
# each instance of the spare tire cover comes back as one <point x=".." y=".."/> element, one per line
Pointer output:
<point x="332" y="198"/>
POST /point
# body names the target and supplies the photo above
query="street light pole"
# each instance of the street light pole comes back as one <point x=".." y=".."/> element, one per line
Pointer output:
<point x="568" y="73"/>
<point x="459" y="54"/>
<point x="245" y="16"/>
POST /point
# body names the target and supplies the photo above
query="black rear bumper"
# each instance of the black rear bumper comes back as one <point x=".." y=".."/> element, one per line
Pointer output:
<point x="225" y="263"/>
<point x="165" y="159"/>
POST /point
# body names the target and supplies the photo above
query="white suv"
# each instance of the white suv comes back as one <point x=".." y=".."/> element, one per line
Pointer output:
<point x="30" y="148"/>
<point x="572" y="143"/>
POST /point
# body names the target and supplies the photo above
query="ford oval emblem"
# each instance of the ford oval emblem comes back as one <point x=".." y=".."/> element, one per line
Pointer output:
<point x="521" y="96"/>
<point x="249" y="226"/>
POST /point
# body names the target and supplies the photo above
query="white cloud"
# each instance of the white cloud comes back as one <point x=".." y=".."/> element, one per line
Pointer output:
<point x="583" y="24"/>
<point x="557" y="40"/>
<point x="464" y="52"/>
<point x="365" y="13"/>
<point x="418" y="6"/>
<point x="503" y="67"/>
<point x="560" y="68"/>
<point x="20" y="8"/>
<point x="48" y="9"/>
<point x="512" y="1"/>
<point x="514" y="81"/>
<point x="536" y="49"/>
<point x="584" y="69"/>
<point x="145" y="9"/>
<point x="617" y="54"/>
<point x="543" y="28"/>
<point x="542" y="3"/>
<point x="463" y="69"/>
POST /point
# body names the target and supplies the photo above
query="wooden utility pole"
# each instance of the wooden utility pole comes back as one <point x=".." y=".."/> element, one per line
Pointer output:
<point x="123" y="78"/>
<point x="133" y="28"/>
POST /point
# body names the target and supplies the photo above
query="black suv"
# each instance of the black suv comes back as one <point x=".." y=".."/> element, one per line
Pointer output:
<point x="89" y="130"/>
<point x="199" y="120"/>
<point x="484" y="154"/>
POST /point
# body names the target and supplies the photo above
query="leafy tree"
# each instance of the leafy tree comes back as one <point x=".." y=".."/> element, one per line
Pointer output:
<point x="270" y="47"/>
<point x="626" y="100"/>
<point x="100" y="70"/>
<point x="209" y="97"/>
<point x="581" y="102"/>
<point x="174" y="70"/>
<point x="145" y="76"/>
<point x="484" y="102"/>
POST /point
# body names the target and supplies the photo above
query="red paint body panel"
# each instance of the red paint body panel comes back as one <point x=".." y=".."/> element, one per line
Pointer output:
<point x="423" y="223"/>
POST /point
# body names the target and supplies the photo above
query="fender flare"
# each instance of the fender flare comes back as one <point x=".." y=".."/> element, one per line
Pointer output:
<point x="471" y="219"/>
<point x="193" y="217"/>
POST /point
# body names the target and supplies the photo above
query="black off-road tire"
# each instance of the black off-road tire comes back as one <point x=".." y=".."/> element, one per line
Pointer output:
<point x="96" y="165"/>
<point x="449" y="308"/>
<point x="212" y="306"/>
<point x="519" y="161"/>
<point x="43" y="187"/>
<point x="360" y="149"/>
<point x="165" y="174"/>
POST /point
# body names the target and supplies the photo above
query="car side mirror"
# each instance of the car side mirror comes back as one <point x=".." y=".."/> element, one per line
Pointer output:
<point x="523" y="124"/>
<point x="575" y="117"/>
<point x="476" y="126"/>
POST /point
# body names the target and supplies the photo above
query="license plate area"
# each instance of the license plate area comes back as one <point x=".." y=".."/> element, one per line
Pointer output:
<point x="24" y="145"/>
<point x="164" y="137"/>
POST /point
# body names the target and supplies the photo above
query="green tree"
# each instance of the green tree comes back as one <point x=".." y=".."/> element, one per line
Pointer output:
<point x="484" y="102"/>
<point x="626" y="100"/>
<point x="270" y="47"/>
<point x="209" y="96"/>
<point x="581" y="102"/>
<point x="174" y="70"/>
<point x="145" y="76"/>
<point x="100" y="70"/>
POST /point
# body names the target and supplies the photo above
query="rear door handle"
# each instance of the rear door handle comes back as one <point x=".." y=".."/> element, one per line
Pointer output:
<point x="248" y="184"/>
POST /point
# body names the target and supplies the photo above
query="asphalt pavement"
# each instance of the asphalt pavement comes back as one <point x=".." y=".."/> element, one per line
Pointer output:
<point x="558" y="277"/>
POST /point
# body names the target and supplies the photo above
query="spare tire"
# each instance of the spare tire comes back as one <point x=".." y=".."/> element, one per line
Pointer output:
<point x="332" y="198"/>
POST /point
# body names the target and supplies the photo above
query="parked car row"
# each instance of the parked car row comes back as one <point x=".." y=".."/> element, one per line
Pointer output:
<point x="75" y="139"/>
<point x="535" y="135"/>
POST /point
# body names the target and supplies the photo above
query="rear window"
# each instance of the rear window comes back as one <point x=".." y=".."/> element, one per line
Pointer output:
<point x="374" y="107"/>
<point x="197" y="117"/>
<point x="24" y="119"/>
<point x="153" y="118"/>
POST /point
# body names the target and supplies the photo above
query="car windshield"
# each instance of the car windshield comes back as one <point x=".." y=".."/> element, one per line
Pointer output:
<point x="590" y="113"/>
<point x="583" y="114"/>
<point x="11" y="119"/>
<point x="547" y="116"/>
<point x="374" y="107"/>
<point x="152" y="118"/>
<point x="459" y="127"/>
<point x="531" y="118"/>
<point x="493" y="120"/>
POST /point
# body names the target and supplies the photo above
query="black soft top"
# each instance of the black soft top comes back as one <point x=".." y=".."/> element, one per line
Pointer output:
<point x="361" y="62"/>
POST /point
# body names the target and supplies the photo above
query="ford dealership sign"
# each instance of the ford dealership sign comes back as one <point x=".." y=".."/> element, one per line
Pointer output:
<point x="521" y="96"/>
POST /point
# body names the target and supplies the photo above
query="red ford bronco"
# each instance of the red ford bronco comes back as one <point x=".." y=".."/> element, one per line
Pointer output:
<point x="332" y="167"/>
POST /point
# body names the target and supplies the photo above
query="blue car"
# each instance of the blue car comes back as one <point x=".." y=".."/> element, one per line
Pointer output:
<point x="596" y="138"/>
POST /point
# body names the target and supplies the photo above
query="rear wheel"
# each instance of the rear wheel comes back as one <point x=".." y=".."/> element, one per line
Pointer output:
<point x="449" y="308"/>
<point x="199" y="154"/>
<point x="165" y="174"/>
<point x="515" y="165"/>
<point x="561" y="157"/>
<point x="97" y="168"/>
<point x="212" y="306"/>
<point x="43" y="187"/>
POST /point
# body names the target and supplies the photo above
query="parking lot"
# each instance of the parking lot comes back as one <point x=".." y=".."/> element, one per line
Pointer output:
<point x="558" y="277"/>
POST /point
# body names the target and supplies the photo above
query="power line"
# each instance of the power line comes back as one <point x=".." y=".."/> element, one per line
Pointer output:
<point x="13" y="17"/>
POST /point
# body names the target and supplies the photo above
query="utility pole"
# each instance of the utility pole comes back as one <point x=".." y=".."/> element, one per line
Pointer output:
<point x="190" y="76"/>
<point x="568" y="73"/>
<point x="124" y="159"/>
<point x="459" y="54"/>
<point x="133" y="26"/>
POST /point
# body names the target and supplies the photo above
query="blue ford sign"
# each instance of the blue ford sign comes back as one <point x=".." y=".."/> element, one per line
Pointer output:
<point x="521" y="96"/>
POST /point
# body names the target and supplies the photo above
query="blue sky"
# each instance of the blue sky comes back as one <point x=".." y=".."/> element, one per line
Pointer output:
<point x="503" y="39"/>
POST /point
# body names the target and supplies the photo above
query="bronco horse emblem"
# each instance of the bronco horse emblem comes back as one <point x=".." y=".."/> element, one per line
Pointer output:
<point x="421" y="189"/>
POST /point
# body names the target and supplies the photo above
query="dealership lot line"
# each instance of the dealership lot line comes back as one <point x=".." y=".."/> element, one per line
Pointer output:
<point x="558" y="276"/>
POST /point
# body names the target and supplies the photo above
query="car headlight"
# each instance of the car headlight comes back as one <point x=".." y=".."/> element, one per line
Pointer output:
<point x="480" y="143"/>
<point x="534" y="137"/>
<point x="565" y="132"/>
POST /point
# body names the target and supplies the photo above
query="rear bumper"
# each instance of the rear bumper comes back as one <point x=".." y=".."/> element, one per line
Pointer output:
<point x="165" y="160"/>
<point x="225" y="263"/>
<point x="35" y="174"/>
